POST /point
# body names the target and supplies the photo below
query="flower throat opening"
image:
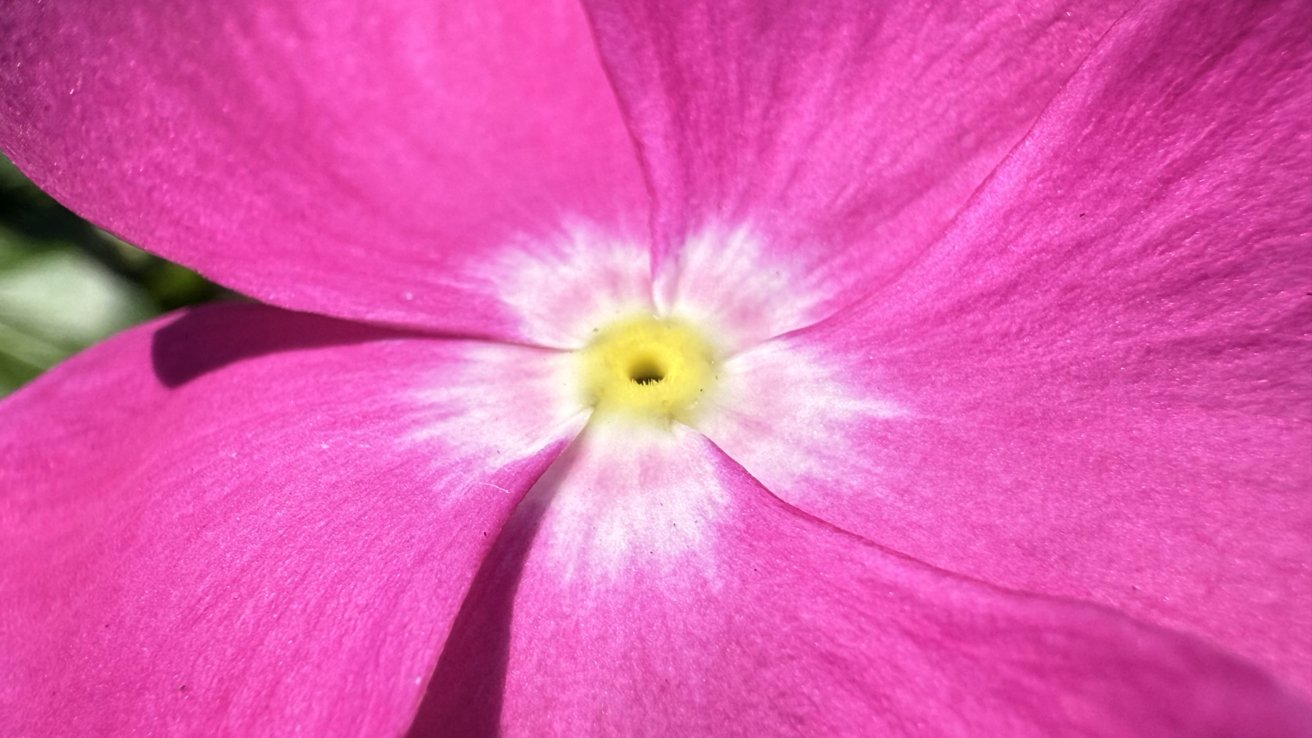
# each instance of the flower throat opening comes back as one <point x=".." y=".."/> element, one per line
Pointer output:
<point x="647" y="368"/>
<point x="646" y="371"/>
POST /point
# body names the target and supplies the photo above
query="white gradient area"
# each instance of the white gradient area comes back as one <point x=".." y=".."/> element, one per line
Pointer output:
<point x="723" y="281"/>
<point x="495" y="404"/>
<point x="566" y="286"/>
<point x="628" y="495"/>
<point x="784" y="411"/>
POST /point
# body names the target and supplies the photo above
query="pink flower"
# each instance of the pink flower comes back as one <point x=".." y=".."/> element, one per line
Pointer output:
<point x="680" y="368"/>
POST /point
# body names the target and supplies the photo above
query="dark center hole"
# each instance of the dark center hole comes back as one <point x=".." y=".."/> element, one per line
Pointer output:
<point x="646" y="371"/>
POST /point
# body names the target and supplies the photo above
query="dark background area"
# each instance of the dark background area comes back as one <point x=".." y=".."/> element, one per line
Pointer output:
<point x="65" y="284"/>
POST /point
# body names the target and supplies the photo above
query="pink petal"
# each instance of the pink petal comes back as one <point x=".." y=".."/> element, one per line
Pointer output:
<point x="356" y="160"/>
<point x="777" y="624"/>
<point x="838" y="138"/>
<point x="1097" y="384"/>
<point x="269" y="533"/>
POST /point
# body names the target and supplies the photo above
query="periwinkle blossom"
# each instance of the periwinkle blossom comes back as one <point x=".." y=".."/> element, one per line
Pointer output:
<point x="672" y="368"/>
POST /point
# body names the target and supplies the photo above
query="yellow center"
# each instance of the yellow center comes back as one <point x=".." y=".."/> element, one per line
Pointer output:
<point x="649" y="368"/>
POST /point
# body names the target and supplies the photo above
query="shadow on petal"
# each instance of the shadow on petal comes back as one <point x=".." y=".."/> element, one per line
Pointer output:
<point x="214" y="336"/>
<point x="465" y="693"/>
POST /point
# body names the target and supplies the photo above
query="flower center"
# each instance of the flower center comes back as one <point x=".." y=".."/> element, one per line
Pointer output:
<point x="649" y="368"/>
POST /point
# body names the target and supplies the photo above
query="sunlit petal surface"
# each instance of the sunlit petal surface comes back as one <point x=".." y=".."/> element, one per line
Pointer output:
<point x="841" y="136"/>
<point x="1097" y="383"/>
<point x="951" y="383"/>
<point x="735" y="614"/>
<point x="354" y="159"/>
<point x="244" y="521"/>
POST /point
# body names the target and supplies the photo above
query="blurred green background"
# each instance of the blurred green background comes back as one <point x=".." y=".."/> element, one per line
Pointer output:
<point x="65" y="284"/>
